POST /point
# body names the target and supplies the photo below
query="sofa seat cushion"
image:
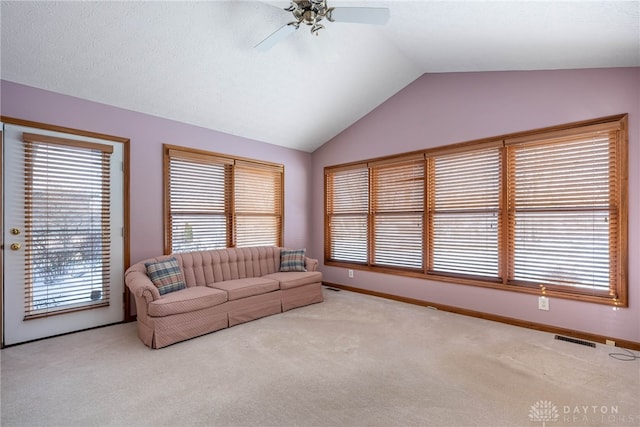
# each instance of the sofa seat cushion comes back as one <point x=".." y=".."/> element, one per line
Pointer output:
<point x="242" y="288"/>
<point x="293" y="279"/>
<point x="186" y="300"/>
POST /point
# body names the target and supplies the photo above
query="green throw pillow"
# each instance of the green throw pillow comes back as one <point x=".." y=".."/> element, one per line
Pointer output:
<point x="166" y="275"/>
<point x="292" y="260"/>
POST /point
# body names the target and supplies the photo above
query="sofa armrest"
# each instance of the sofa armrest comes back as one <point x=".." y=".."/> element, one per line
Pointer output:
<point x="141" y="287"/>
<point x="311" y="264"/>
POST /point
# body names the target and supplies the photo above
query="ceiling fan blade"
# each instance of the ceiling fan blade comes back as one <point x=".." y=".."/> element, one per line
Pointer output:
<point x="360" y="15"/>
<point x="275" y="37"/>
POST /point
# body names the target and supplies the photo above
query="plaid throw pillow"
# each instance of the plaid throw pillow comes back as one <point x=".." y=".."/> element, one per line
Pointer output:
<point x="292" y="260"/>
<point x="166" y="275"/>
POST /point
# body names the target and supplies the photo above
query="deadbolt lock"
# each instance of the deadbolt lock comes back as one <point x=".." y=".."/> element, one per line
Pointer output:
<point x="14" y="231"/>
<point x="15" y="246"/>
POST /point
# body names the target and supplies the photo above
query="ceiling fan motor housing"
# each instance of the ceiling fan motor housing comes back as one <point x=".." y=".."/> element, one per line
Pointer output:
<point x="309" y="17"/>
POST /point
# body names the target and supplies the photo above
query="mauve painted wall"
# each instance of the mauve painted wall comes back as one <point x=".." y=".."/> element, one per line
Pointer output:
<point x="439" y="109"/>
<point x="147" y="134"/>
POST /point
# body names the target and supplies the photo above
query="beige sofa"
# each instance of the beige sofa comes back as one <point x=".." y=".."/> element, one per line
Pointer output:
<point x="222" y="288"/>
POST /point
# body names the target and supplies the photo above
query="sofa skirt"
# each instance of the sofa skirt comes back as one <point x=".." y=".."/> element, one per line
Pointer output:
<point x="179" y="327"/>
<point x="301" y="296"/>
<point x="255" y="307"/>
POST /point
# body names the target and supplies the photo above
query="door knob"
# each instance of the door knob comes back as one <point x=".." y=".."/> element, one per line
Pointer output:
<point x="15" y="246"/>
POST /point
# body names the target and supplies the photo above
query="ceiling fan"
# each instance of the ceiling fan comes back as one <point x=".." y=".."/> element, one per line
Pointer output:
<point x="311" y="12"/>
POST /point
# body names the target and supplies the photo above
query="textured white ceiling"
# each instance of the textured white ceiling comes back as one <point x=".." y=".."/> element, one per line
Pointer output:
<point x="194" y="61"/>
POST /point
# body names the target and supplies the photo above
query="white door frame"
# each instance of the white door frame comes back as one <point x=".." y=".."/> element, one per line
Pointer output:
<point x="123" y="147"/>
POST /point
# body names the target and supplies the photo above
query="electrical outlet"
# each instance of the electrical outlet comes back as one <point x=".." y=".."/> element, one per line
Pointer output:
<point x="350" y="274"/>
<point x="610" y="342"/>
<point x="543" y="303"/>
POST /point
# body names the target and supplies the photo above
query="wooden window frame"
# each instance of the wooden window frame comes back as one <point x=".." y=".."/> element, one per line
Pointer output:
<point x="449" y="174"/>
<point x="381" y="209"/>
<point x="348" y="216"/>
<point x="261" y="207"/>
<point x="618" y="294"/>
<point x="230" y="162"/>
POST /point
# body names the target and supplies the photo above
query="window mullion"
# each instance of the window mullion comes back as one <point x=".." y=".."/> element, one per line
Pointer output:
<point x="371" y="226"/>
<point x="430" y="198"/>
<point x="507" y="219"/>
<point x="229" y="205"/>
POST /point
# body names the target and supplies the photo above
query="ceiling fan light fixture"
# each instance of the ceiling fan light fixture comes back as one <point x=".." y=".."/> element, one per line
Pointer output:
<point x="315" y="28"/>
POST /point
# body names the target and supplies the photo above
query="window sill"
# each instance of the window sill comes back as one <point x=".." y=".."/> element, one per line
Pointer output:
<point x="550" y="291"/>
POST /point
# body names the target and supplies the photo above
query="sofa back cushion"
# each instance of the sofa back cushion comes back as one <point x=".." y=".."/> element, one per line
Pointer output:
<point x="206" y="267"/>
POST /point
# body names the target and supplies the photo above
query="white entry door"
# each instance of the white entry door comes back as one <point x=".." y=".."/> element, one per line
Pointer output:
<point x="63" y="244"/>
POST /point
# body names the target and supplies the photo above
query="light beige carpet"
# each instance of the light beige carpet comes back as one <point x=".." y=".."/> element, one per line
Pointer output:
<point x="354" y="360"/>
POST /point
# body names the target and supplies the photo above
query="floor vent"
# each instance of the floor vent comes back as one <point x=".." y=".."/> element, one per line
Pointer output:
<point x="576" y="341"/>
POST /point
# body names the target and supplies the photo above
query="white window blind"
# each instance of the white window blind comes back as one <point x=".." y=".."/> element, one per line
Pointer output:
<point x="67" y="225"/>
<point x="464" y="190"/>
<point x="258" y="204"/>
<point x="199" y="202"/>
<point x="213" y="201"/>
<point x="347" y="215"/>
<point x="565" y="211"/>
<point x="398" y="214"/>
<point x="543" y="209"/>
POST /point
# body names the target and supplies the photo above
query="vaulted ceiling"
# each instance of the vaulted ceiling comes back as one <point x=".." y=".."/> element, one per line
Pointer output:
<point x="195" y="62"/>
